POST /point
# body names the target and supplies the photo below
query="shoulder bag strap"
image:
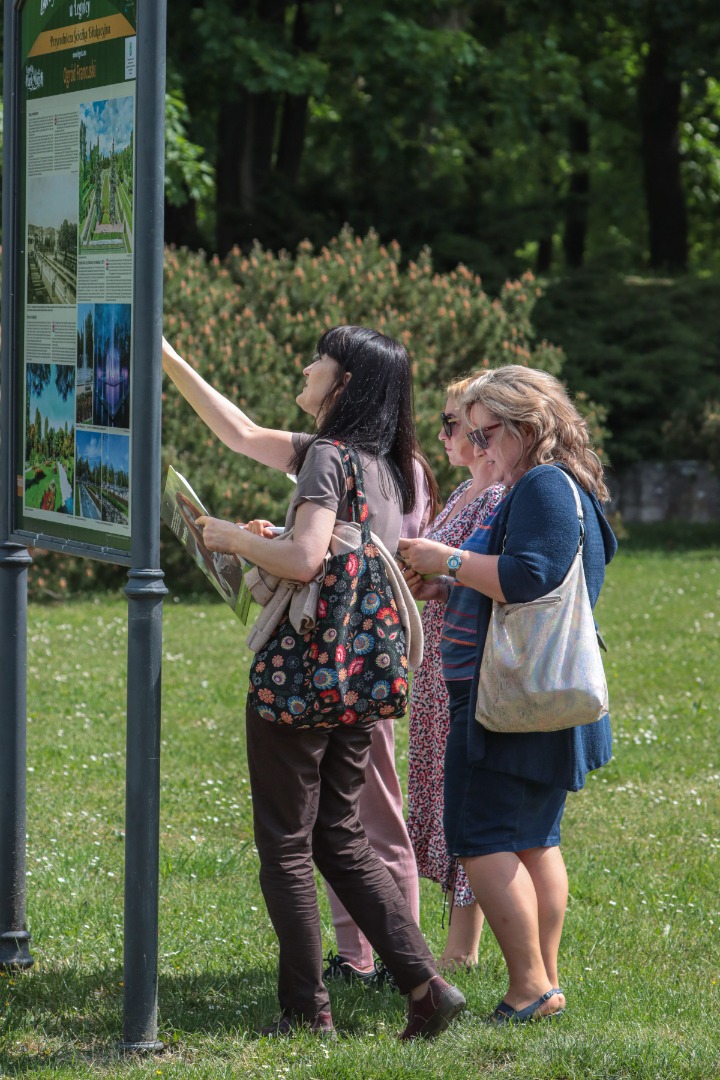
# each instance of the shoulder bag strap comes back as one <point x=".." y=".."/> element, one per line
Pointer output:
<point x="357" y="503"/>
<point x="578" y="505"/>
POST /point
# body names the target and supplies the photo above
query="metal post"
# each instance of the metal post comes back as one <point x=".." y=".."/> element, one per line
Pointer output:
<point x="14" y="563"/>
<point x="145" y="589"/>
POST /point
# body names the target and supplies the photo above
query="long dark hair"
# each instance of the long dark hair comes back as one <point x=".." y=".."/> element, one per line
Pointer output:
<point x="373" y="410"/>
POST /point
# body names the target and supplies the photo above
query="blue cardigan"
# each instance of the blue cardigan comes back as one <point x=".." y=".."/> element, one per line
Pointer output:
<point x="539" y="526"/>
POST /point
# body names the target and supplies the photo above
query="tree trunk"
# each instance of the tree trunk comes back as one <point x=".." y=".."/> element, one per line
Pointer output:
<point x="577" y="203"/>
<point x="246" y="129"/>
<point x="293" y="123"/>
<point x="246" y="141"/>
<point x="544" y="255"/>
<point x="659" y="100"/>
<point x="181" y="225"/>
<point x="227" y="174"/>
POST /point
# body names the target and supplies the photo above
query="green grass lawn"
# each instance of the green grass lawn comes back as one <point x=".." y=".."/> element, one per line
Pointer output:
<point x="641" y="950"/>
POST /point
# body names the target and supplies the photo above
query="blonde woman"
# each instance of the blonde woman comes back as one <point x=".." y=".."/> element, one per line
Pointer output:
<point x="505" y="794"/>
<point x="471" y="505"/>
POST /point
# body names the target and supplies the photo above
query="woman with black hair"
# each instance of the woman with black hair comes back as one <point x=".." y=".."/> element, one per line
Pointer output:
<point x="306" y="782"/>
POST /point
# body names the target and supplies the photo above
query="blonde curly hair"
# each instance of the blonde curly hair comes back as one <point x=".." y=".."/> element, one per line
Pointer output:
<point x="523" y="399"/>
<point x="457" y="387"/>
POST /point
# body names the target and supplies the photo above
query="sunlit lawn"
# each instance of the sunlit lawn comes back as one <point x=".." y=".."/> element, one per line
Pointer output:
<point x="641" y="951"/>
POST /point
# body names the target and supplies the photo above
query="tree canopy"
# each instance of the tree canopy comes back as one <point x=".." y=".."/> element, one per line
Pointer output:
<point x="502" y="134"/>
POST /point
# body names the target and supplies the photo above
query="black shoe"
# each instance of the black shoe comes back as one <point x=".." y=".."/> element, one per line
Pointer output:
<point x="338" y="968"/>
<point x="382" y="976"/>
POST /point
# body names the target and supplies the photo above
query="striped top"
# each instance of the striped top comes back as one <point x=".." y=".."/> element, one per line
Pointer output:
<point x="458" y="641"/>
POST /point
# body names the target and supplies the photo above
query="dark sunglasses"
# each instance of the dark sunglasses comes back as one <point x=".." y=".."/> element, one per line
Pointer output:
<point x="447" y="423"/>
<point x="478" y="436"/>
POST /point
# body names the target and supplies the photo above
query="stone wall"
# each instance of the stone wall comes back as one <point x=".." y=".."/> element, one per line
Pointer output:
<point x="666" y="491"/>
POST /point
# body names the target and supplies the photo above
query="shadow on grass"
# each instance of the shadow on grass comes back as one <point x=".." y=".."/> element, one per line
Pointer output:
<point x="57" y="1019"/>
<point x="73" y="1015"/>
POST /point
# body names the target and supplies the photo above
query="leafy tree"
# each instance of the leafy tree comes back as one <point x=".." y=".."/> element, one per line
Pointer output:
<point x="65" y="380"/>
<point x="38" y="377"/>
<point x="497" y="132"/>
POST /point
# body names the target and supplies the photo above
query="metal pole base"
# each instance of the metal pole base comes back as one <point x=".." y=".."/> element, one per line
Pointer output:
<point x="15" y="950"/>
<point x="14" y="937"/>
<point x="156" y="1047"/>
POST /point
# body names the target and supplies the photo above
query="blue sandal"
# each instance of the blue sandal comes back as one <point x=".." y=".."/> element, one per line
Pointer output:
<point x="505" y="1014"/>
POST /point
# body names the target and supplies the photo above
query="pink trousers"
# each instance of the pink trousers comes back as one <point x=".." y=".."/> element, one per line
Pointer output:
<point x="381" y="816"/>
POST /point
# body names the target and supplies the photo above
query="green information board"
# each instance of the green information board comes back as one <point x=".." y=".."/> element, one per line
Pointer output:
<point x="75" y="274"/>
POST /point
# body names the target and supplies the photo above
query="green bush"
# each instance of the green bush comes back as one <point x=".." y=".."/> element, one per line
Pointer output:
<point x="250" y="324"/>
<point x="648" y="351"/>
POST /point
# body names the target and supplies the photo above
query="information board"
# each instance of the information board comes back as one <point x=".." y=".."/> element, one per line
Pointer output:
<point x="76" y="251"/>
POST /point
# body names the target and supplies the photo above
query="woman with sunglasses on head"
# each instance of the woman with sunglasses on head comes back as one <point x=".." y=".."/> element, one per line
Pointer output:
<point x="471" y="505"/>
<point x="505" y="793"/>
<point x="306" y="782"/>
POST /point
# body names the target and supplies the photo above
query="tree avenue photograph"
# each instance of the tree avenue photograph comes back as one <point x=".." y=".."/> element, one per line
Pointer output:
<point x="106" y="176"/>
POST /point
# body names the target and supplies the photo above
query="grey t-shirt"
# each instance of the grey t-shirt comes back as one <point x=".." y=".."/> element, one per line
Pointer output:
<point x="322" y="481"/>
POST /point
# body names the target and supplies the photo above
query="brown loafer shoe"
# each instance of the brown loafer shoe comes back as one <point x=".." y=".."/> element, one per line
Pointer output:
<point x="290" y="1023"/>
<point x="434" y="1012"/>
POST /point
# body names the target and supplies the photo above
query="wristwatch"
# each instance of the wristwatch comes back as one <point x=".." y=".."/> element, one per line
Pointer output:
<point x="454" y="562"/>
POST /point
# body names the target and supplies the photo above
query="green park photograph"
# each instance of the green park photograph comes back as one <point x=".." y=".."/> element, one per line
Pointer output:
<point x="106" y="135"/>
<point x="441" y="318"/>
<point x="50" y="437"/>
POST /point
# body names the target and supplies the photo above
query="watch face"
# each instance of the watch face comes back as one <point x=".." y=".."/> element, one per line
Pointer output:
<point x="454" y="562"/>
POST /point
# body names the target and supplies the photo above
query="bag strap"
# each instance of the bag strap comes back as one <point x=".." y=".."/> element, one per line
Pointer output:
<point x="352" y="467"/>
<point x="578" y="507"/>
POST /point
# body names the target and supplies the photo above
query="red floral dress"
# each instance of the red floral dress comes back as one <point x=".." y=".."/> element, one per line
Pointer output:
<point x="430" y="713"/>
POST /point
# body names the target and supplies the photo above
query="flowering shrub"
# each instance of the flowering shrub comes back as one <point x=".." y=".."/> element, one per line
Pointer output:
<point x="250" y="324"/>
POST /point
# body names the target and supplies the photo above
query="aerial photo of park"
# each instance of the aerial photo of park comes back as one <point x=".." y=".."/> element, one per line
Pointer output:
<point x="106" y="176"/>
<point x="52" y="239"/>
<point x="108" y="325"/>
<point x="103" y="477"/>
<point x="50" y="437"/>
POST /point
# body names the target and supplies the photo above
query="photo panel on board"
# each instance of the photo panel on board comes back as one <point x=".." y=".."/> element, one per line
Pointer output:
<point x="111" y="377"/>
<point x="50" y="437"/>
<point x="52" y="237"/>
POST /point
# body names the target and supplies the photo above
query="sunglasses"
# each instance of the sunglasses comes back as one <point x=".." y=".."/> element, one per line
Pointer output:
<point x="478" y="437"/>
<point x="447" y="423"/>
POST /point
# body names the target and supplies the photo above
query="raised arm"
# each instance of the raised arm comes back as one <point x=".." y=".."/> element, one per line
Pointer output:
<point x="230" y="424"/>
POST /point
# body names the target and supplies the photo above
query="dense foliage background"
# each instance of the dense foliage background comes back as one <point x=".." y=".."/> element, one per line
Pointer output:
<point x="500" y="133"/>
<point x="477" y="178"/>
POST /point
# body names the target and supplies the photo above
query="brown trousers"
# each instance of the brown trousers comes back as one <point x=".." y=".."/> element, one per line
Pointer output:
<point x="305" y="788"/>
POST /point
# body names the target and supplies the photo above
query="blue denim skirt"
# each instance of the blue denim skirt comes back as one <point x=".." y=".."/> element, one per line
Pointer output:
<point x="487" y="811"/>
